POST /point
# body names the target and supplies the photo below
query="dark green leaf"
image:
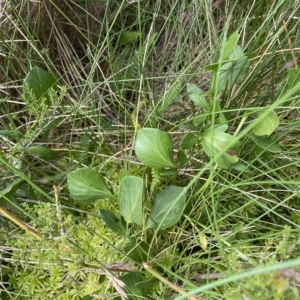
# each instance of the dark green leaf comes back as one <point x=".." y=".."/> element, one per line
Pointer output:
<point x="167" y="208"/>
<point x="148" y="285"/>
<point x="112" y="221"/>
<point x="9" y="191"/>
<point x="11" y="133"/>
<point x="182" y="158"/>
<point x="40" y="82"/>
<point x="43" y="152"/>
<point x="265" y="143"/>
<point x="188" y="141"/>
<point x="199" y="119"/>
<point x="133" y="290"/>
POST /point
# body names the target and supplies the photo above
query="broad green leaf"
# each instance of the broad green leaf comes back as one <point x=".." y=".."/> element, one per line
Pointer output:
<point x="148" y="285"/>
<point x="188" y="141"/>
<point x="199" y="119"/>
<point x="232" y="72"/>
<point x="154" y="148"/>
<point x="136" y="286"/>
<point x="182" y="158"/>
<point x="293" y="77"/>
<point x="195" y="94"/>
<point x="112" y="221"/>
<point x="40" y="82"/>
<point x="9" y="191"/>
<point x="267" y="125"/>
<point x="230" y="44"/>
<point x="227" y="159"/>
<point x="222" y="128"/>
<point x="133" y="291"/>
<point x="215" y="142"/>
<point x="43" y="152"/>
<point x="87" y="185"/>
<point x="131" y="199"/>
<point x="236" y="53"/>
<point x="294" y="80"/>
<point x="167" y="208"/>
<point x="265" y="143"/>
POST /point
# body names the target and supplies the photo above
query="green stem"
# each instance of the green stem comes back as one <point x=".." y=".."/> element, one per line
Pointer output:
<point x="240" y="125"/>
<point x="167" y="282"/>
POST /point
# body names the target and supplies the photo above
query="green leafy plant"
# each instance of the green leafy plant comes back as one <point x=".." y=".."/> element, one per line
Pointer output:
<point x="165" y="146"/>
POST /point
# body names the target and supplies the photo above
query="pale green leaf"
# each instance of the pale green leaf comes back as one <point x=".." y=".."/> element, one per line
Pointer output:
<point x="230" y="44"/>
<point x="195" y="94"/>
<point x="293" y="79"/>
<point x="87" y="185"/>
<point x="241" y="167"/>
<point x="202" y="241"/>
<point x="154" y="148"/>
<point x="237" y="227"/>
<point x="236" y="53"/>
<point x="215" y="143"/>
<point x="267" y="125"/>
<point x="232" y="72"/>
<point x="222" y="128"/>
<point x="11" y="134"/>
<point x="199" y="119"/>
<point x="131" y="199"/>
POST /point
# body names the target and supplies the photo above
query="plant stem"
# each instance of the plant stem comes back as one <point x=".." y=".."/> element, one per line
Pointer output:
<point x="19" y="222"/>
<point x="168" y="283"/>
